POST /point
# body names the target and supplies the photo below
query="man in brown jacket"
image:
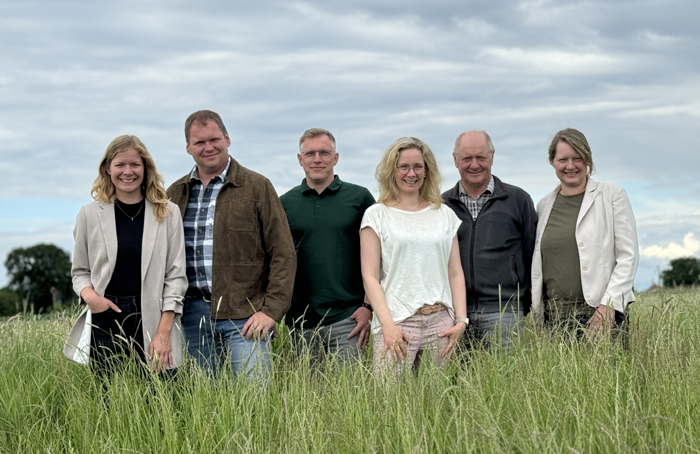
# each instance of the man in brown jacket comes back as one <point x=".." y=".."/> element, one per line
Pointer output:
<point x="241" y="260"/>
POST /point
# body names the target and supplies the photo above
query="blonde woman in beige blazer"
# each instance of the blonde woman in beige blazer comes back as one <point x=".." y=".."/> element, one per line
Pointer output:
<point x="595" y="223"/>
<point x="128" y="266"/>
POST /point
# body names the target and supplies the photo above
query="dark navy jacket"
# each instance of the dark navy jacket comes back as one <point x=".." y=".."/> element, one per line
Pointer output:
<point x="496" y="249"/>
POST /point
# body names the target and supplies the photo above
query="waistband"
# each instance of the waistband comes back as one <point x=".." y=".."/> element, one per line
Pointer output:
<point x="195" y="292"/>
<point x="124" y="299"/>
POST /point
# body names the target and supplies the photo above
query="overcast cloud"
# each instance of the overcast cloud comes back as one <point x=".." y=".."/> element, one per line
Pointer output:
<point x="626" y="73"/>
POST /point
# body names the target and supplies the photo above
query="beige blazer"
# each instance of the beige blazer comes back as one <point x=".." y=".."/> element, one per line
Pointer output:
<point x="606" y="236"/>
<point x="163" y="268"/>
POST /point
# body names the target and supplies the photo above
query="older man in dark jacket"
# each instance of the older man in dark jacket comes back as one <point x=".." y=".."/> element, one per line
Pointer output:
<point x="496" y="242"/>
<point x="241" y="260"/>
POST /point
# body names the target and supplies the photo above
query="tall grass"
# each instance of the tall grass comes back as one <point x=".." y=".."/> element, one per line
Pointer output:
<point x="550" y="394"/>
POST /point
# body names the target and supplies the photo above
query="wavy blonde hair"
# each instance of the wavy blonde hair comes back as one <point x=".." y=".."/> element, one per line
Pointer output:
<point x="386" y="172"/>
<point x="153" y="186"/>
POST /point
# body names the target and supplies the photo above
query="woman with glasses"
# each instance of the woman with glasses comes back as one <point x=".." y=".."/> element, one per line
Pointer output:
<point x="410" y="260"/>
<point x="128" y="266"/>
<point x="586" y="250"/>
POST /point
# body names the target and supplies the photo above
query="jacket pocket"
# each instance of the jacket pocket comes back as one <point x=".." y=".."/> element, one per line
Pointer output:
<point x="237" y="215"/>
<point x="514" y="271"/>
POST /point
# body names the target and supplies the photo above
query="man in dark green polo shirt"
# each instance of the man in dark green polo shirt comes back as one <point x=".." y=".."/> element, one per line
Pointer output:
<point x="324" y="213"/>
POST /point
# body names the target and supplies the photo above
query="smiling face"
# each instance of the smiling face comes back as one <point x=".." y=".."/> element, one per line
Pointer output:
<point x="126" y="172"/>
<point x="209" y="147"/>
<point x="570" y="169"/>
<point x="474" y="160"/>
<point x="317" y="167"/>
<point x="410" y="171"/>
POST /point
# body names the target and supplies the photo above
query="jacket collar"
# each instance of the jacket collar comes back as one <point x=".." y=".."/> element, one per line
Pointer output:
<point x="591" y="192"/>
<point x="234" y="176"/>
<point x="499" y="190"/>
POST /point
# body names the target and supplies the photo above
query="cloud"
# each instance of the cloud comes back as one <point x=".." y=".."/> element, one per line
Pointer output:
<point x="690" y="246"/>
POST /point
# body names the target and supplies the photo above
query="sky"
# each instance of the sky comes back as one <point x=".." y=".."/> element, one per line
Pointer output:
<point x="75" y="75"/>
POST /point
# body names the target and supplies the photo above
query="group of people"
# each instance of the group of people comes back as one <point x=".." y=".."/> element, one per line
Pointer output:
<point x="222" y="257"/>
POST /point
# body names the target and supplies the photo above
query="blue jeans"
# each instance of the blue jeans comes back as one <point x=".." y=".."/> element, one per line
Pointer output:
<point x="208" y="341"/>
<point x="493" y="330"/>
<point x="331" y="338"/>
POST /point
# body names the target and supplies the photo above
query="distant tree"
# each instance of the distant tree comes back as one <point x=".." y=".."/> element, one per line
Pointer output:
<point x="684" y="271"/>
<point x="41" y="274"/>
<point x="9" y="302"/>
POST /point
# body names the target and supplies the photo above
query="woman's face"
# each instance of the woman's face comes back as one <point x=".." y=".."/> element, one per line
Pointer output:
<point x="126" y="172"/>
<point x="570" y="168"/>
<point x="410" y="171"/>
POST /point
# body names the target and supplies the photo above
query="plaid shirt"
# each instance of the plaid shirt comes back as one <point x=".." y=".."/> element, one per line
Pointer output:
<point x="475" y="205"/>
<point x="199" y="228"/>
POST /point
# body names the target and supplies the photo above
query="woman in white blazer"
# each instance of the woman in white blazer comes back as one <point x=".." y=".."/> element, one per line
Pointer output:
<point x="586" y="250"/>
<point x="128" y="266"/>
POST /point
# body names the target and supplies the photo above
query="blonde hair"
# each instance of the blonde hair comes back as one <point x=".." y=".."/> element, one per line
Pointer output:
<point x="386" y="172"/>
<point x="153" y="186"/>
<point x="576" y="140"/>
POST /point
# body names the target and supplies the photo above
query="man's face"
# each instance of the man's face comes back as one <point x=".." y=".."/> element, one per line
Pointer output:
<point x="474" y="161"/>
<point x="209" y="148"/>
<point x="317" y="167"/>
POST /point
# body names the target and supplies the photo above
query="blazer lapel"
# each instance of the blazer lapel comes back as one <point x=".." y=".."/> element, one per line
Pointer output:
<point x="109" y="232"/>
<point x="588" y="198"/>
<point x="150" y="231"/>
<point x="543" y="216"/>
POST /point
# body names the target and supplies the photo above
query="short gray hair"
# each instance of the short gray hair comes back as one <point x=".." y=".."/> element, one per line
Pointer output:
<point x="316" y="132"/>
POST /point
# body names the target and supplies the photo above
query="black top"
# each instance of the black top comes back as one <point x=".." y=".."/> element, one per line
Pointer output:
<point x="126" y="278"/>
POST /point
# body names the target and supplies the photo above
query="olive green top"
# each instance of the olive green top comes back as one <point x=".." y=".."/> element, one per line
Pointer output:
<point x="560" y="260"/>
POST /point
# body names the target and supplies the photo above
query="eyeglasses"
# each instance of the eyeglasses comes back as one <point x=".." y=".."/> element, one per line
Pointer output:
<point x="405" y="168"/>
<point x="312" y="154"/>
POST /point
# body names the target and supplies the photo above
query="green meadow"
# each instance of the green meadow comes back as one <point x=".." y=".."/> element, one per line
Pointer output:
<point x="552" y="393"/>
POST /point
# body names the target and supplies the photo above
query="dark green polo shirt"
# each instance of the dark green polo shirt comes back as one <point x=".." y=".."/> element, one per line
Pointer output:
<point x="326" y="231"/>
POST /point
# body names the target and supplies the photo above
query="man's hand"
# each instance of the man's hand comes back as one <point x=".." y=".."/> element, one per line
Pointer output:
<point x="258" y="325"/>
<point x="363" y="317"/>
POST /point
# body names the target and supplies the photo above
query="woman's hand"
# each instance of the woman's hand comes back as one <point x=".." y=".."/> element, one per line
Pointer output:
<point x="602" y="319"/>
<point x="161" y="351"/>
<point x="97" y="303"/>
<point x="396" y="342"/>
<point x="454" y="334"/>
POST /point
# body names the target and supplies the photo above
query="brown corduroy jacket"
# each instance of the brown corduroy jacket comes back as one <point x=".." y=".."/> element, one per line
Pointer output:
<point x="254" y="261"/>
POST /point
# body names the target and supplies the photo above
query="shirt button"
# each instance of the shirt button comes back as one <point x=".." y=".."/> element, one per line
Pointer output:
<point x="318" y="206"/>
<point x="584" y="268"/>
<point x="580" y="244"/>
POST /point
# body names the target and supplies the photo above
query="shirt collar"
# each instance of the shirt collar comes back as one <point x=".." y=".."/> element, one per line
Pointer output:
<point x="194" y="174"/>
<point x="334" y="186"/>
<point x="489" y="189"/>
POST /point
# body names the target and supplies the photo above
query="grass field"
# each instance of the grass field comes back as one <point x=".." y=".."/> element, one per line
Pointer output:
<point x="551" y="394"/>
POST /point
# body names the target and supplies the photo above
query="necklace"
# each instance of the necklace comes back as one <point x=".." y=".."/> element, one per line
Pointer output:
<point x="411" y="209"/>
<point x="117" y="203"/>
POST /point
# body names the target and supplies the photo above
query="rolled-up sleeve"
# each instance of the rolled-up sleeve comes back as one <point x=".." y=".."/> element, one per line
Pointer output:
<point x="175" y="282"/>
